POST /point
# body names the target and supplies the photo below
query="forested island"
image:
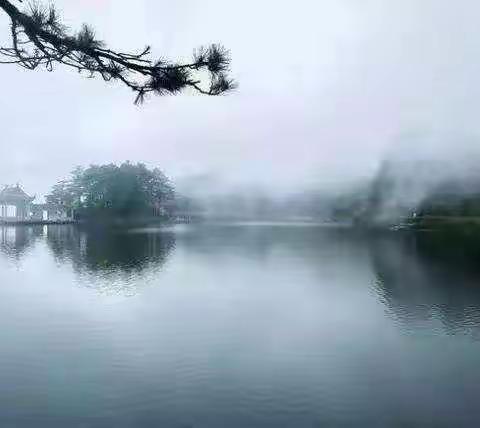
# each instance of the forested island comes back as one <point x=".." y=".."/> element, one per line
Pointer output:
<point x="125" y="192"/>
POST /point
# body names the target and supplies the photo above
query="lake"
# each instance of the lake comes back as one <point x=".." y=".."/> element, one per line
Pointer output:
<point x="235" y="325"/>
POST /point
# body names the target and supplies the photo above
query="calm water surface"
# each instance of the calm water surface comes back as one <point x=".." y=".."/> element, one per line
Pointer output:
<point x="234" y="326"/>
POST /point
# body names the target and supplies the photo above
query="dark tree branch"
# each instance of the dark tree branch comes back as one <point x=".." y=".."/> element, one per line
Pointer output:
<point x="39" y="39"/>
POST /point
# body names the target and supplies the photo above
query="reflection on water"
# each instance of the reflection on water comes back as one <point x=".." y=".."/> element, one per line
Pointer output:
<point x="416" y="279"/>
<point x="110" y="260"/>
<point x="235" y="326"/>
<point x="15" y="241"/>
<point x="113" y="250"/>
<point x="419" y="287"/>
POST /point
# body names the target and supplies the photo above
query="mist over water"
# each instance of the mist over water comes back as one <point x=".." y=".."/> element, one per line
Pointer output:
<point x="235" y="325"/>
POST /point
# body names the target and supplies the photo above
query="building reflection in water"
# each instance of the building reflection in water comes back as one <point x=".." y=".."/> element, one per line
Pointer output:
<point x="15" y="241"/>
<point x="422" y="283"/>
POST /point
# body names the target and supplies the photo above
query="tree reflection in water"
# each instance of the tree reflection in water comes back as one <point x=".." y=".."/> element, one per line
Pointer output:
<point x="111" y="260"/>
<point x="422" y="282"/>
<point x="114" y="261"/>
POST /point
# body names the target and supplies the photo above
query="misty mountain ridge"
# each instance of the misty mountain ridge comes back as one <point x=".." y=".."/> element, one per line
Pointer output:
<point x="402" y="186"/>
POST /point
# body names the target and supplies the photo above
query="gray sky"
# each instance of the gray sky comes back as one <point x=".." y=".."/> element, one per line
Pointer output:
<point x="326" y="87"/>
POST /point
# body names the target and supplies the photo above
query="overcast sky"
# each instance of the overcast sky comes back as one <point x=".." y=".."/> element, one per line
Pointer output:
<point x="326" y="87"/>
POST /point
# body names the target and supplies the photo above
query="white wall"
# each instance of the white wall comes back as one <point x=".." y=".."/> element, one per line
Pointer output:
<point x="11" y="211"/>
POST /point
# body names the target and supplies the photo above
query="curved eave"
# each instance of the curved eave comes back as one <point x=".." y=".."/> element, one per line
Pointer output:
<point x="16" y="199"/>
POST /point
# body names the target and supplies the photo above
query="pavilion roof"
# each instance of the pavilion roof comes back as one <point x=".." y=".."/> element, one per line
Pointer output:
<point x="14" y="194"/>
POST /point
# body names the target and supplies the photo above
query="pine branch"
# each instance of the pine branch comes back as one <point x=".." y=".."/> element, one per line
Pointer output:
<point x="40" y="39"/>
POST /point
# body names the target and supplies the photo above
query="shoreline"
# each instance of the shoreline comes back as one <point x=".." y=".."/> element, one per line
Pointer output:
<point x="35" y="222"/>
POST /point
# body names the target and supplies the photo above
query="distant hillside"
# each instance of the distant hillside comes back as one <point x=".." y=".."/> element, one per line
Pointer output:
<point x="405" y="188"/>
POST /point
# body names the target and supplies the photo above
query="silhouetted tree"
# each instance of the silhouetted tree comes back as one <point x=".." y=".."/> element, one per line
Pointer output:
<point x="40" y="39"/>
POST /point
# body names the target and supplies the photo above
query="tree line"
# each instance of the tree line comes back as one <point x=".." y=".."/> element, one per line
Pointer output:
<point x="114" y="191"/>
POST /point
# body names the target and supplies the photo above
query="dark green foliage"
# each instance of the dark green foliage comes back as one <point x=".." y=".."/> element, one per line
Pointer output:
<point x="86" y="38"/>
<point x="453" y="200"/>
<point x="128" y="190"/>
<point x="172" y="80"/>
